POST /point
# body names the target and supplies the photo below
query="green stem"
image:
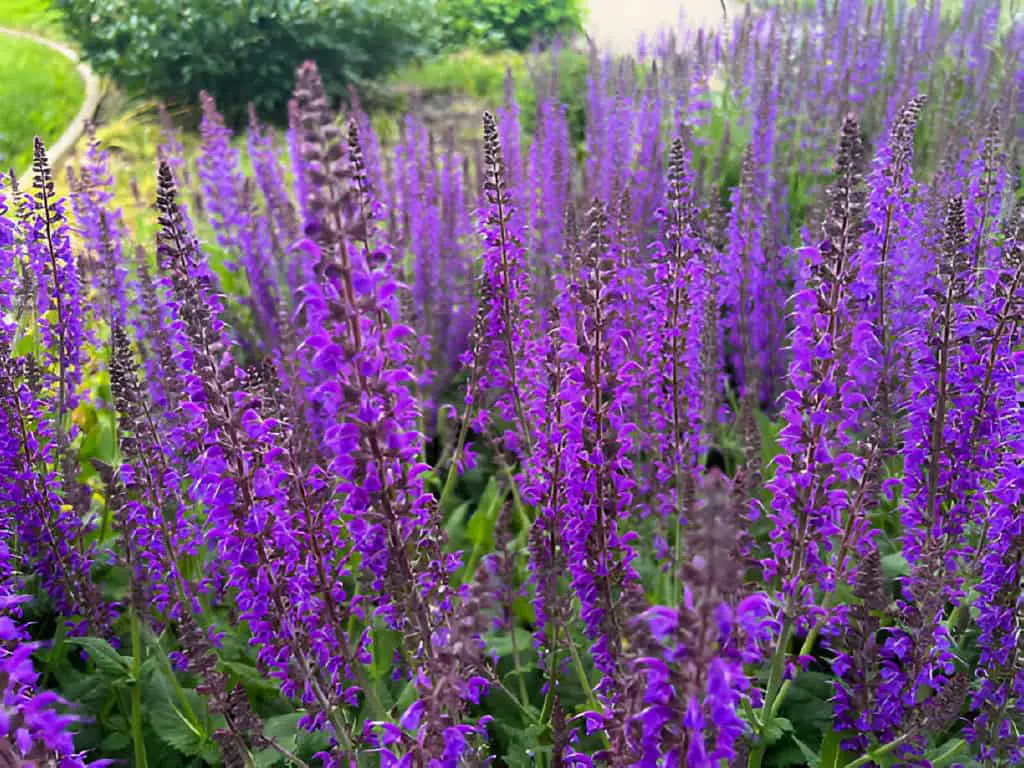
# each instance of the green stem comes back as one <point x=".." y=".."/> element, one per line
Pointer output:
<point x="756" y="756"/>
<point x="515" y="700"/>
<point x="778" y="668"/>
<point x="520" y="509"/>
<point x="444" y="502"/>
<point x="105" y="519"/>
<point x="882" y="751"/>
<point x="138" y="742"/>
<point x="581" y="673"/>
<point x="805" y="649"/>
<point x="524" y="697"/>
<point x="775" y="686"/>
<point x="549" y="700"/>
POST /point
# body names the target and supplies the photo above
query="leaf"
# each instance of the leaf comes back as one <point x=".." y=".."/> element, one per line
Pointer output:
<point x="501" y="643"/>
<point x="281" y="728"/>
<point x="526" y="745"/>
<point x="115" y="742"/>
<point x="946" y="753"/>
<point x="109" y="663"/>
<point x="832" y="753"/>
<point x="176" y="731"/>
<point x="524" y="611"/>
<point x="813" y="758"/>
<point x="455" y="526"/>
<point x="268" y="757"/>
<point x="250" y="677"/>
<point x="830" y="750"/>
<point x="894" y="564"/>
<point x="784" y="755"/>
<point x="775" y="730"/>
<point x="480" y="528"/>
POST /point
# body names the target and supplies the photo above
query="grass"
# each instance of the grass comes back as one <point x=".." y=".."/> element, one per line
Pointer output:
<point x="31" y="15"/>
<point x="40" y="91"/>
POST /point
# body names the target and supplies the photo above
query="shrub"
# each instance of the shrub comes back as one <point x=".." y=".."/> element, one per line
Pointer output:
<point x="245" y="52"/>
<point x="480" y="76"/>
<point x="508" y="23"/>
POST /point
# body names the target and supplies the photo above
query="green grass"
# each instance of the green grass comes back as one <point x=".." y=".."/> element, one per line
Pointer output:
<point x="32" y="15"/>
<point x="40" y="93"/>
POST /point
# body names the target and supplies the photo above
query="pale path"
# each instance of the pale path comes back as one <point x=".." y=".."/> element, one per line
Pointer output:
<point x="618" y="25"/>
<point x="63" y="146"/>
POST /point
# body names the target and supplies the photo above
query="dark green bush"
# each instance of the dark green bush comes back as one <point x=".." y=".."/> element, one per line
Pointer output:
<point x="245" y="51"/>
<point x="513" y="24"/>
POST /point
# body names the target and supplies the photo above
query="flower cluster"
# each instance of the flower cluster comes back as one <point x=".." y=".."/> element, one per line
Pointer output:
<point x="462" y="455"/>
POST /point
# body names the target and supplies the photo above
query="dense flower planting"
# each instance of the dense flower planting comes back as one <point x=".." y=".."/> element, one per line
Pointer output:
<point x="698" y="445"/>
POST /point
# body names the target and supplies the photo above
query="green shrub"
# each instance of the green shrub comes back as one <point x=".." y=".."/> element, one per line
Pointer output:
<point x="245" y="51"/>
<point x="516" y="24"/>
<point x="480" y="76"/>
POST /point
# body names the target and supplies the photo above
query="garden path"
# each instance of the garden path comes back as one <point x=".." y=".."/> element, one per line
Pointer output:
<point x="619" y="24"/>
<point x="59" y="149"/>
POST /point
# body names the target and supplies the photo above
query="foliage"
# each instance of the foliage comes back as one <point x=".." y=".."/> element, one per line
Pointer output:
<point x="32" y="15"/>
<point x="516" y="24"/>
<point x="245" y="53"/>
<point x="435" y="454"/>
<point x="481" y="77"/>
<point x="41" y="91"/>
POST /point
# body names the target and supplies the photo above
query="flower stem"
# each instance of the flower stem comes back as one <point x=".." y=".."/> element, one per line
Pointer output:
<point x="775" y="686"/>
<point x="138" y="742"/>
<point x="882" y="751"/>
<point x="581" y="673"/>
<point x="524" y="697"/>
<point x="453" y="470"/>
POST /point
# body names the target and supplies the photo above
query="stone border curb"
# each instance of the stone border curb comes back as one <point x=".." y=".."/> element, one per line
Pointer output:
<point x="61" y="148"/>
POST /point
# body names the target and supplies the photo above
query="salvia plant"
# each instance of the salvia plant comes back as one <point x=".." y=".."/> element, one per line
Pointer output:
<point x="697" y="444"/>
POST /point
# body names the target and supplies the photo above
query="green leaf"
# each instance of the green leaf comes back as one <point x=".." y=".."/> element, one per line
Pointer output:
<point x="481" y="525"/>
<point x="115" y="742"/>
<point x="176" y="731"/>
<point x="894" y="564"/>
<point x="832" y="753"/>
<point x="456" y="525"/>
<point x="946" y="753"/>
<point x="813" y="758"/>
<point x="775" y="730"/>
<point x="281" y="728"/>
<point x="830" y="750"/>
<point x="284" y="730"/>
<point x="108" y="662"/>
<point x="526" y="745"/>
<point x="250" y="677"/>
<point x="524" y="611"/>
<point x="501" y="643"/>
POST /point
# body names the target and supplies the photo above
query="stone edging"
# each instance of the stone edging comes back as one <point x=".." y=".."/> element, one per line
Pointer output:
<point x="61" y="148"/>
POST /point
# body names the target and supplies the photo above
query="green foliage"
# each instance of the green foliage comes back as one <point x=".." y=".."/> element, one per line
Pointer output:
<point x="480" y="77"/>
<point x="41" y="93"/>
<point x="471" y="72"/>
<point x="516" y="24"/>
<point x="33" y="15"/>
<point x="245" y="52"/>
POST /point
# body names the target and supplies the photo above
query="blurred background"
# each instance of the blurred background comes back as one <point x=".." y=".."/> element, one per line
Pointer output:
<point x="448" y="59"/>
